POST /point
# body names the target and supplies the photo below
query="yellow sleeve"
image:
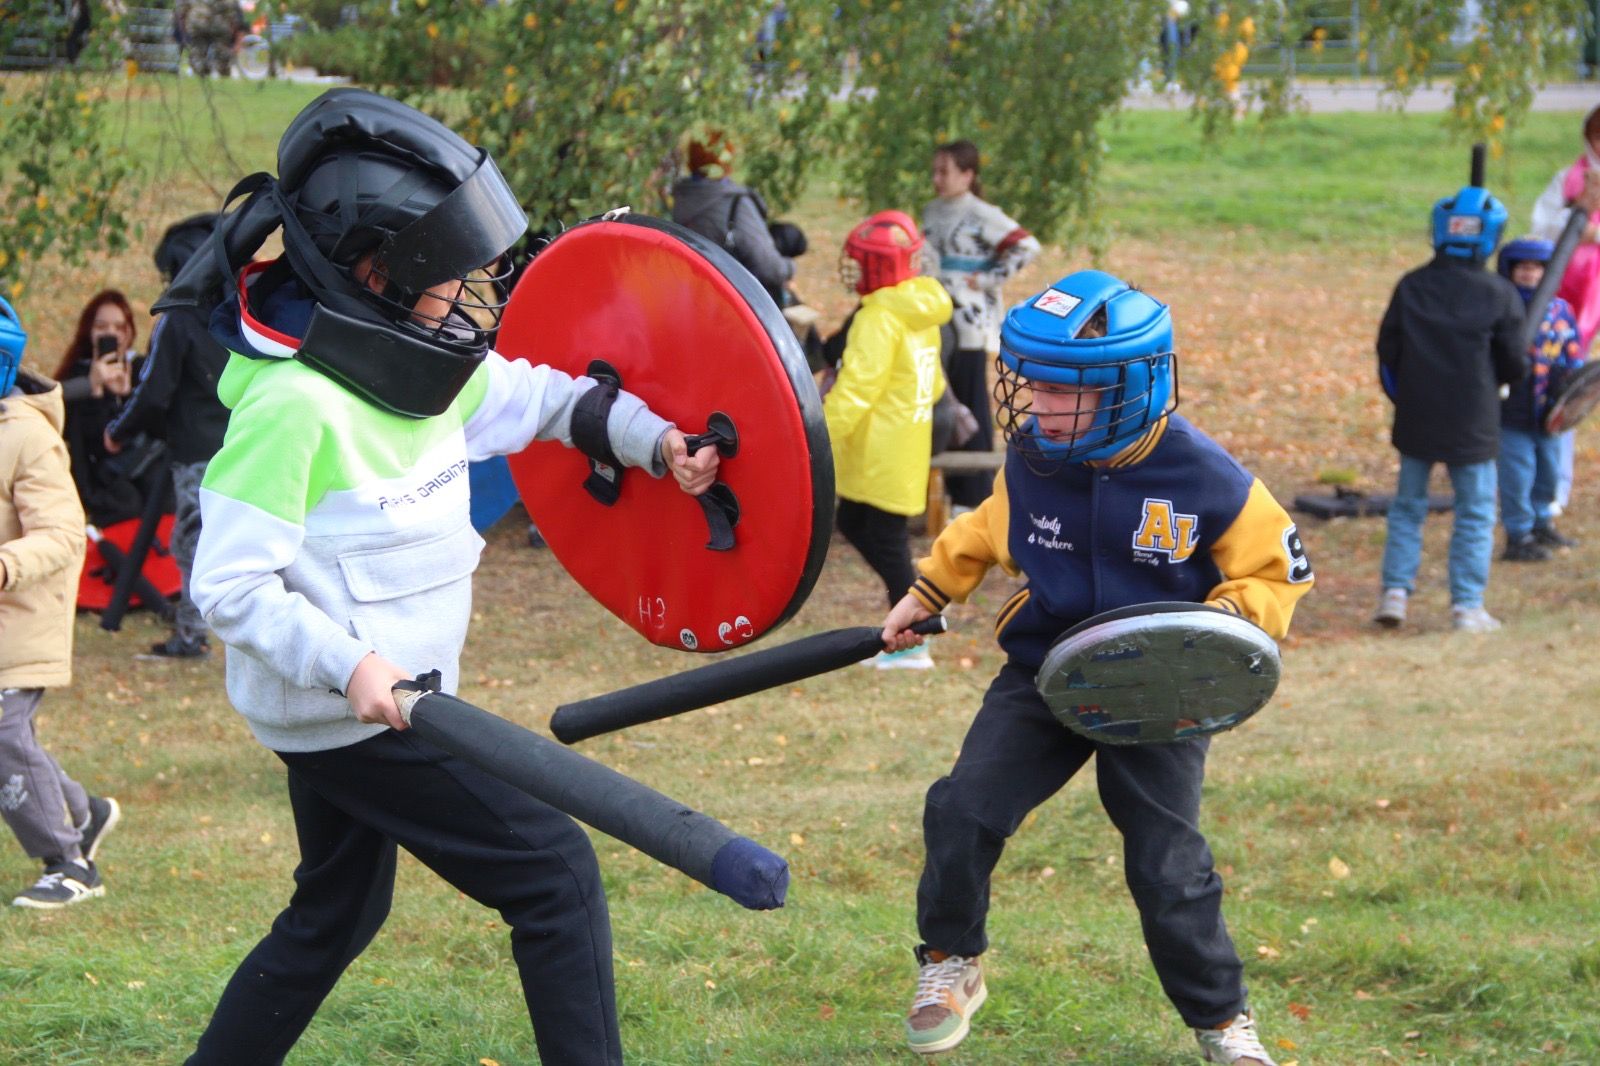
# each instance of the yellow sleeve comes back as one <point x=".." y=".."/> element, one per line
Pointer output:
<point x="965" y="551"/>
<point x="863" y="373"/>
<point x="1264" y="566"/>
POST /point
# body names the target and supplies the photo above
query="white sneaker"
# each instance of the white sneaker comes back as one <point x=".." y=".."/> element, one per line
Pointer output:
<point x="918" y="658"/>
<point x="1391" y="610"/>
<point x="1473" y="620"/>
<point x="1234" y="1042"/>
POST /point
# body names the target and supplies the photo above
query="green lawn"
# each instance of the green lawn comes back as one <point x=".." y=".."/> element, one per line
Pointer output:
<point x="1408" y="837"/>
<point x="1334" y="181"/>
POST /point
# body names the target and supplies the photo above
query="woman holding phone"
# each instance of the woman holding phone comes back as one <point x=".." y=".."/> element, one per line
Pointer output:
<point x="97" y="373"/>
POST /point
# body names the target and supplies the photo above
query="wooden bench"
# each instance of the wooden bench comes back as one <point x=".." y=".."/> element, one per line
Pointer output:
<point x="938" y="515"/>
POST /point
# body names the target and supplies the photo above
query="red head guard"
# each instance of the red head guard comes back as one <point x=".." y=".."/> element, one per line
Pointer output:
<point x="884" y="250"/>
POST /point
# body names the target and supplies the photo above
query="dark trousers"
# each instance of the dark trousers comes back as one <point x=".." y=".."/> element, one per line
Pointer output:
<point x="882" y="540"/>
<point x="533" y="864"/>
<point x="968" y="374"/>
<point x="1016" y="756"/>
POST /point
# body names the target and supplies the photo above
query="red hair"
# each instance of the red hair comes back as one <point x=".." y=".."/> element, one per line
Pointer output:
<point x="713" y="150"/>
<point x="80" y="350"/>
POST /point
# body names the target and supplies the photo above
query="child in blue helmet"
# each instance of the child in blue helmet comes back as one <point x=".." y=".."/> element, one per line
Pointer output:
<point x="41" y="552"/>
<point x="1449" y="339"/>
<point x="1530" y="458"/>
<point x="1107" y="499"/>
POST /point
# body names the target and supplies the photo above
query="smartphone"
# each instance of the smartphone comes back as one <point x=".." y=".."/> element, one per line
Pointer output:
<point x="105" y="346"/>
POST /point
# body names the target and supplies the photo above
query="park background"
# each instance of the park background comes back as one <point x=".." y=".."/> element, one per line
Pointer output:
<point x="1409" y="833"/>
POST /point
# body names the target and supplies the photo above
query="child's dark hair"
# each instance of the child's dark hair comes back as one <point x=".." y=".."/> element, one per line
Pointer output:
<point x="964" y="154"/>
<point x="1096" y="326"/>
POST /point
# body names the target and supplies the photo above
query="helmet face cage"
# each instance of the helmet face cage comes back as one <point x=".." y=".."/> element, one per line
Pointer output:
<point x="850" y="272"/>
<point x="423" y="250"/>
<point x="1126" y="402"/>
<point x="884" y="250"/>
<point x="464" y="310"/>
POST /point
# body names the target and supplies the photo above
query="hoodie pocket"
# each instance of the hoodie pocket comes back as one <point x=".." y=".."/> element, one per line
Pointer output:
<point x="413" y="602"/>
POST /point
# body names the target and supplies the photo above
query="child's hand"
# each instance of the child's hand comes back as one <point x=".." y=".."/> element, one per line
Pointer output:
<point x="897" y="635"/>
<point x="370" y="691"/>
<point x="695" y="473"/>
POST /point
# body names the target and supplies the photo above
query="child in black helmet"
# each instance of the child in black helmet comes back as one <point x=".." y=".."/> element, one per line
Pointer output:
<point x="336" y="555"/>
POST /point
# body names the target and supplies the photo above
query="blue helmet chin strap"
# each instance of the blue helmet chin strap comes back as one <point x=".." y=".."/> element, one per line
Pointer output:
<point x="13" y="340"/>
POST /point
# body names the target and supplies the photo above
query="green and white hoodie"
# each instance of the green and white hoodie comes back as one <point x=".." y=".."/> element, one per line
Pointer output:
<point x="331" y="528"/>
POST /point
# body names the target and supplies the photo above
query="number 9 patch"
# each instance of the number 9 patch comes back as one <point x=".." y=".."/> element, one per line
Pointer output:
<point x="1299" y="564"/>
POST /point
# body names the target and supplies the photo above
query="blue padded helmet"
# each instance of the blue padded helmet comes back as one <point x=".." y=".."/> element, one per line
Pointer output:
<point x="1523" y="250"/>
<point x="12" y="341"/>
<point x="1130" y="368"/>
<point x="1468" y="224"/>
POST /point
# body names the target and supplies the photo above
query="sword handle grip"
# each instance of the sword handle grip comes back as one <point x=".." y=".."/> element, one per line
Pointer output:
<point x="720" y="433"/>
<point x="720" y="505"/>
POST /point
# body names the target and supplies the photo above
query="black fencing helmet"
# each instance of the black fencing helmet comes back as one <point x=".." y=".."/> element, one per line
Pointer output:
<point x="379" y="204"/>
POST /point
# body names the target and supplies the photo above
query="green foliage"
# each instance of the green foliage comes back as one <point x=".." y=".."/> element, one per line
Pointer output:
<point x="342" y="52"/>
<point x="1027" y="80"/>
<point x="325" y="14"/>
<point x="60" y="172"/>
<point x="1515" y="46"/>
<point x="586" y="106"/>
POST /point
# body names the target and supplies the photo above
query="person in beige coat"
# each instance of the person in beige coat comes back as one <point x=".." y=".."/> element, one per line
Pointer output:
<point x="41" y="553"/>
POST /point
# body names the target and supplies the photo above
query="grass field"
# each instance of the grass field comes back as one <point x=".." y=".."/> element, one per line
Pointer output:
<point x="1409" y="835"/>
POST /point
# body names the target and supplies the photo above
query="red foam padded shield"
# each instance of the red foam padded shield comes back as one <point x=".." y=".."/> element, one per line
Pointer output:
<point x="690" y="332"/>
<point x="97" y="581"/>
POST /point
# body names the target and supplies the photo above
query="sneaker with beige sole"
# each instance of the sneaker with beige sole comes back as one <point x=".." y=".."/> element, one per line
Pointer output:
<point x="950" y="990"/>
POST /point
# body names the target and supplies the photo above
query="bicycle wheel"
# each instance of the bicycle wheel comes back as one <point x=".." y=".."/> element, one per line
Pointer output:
<point x="254" y="56"/>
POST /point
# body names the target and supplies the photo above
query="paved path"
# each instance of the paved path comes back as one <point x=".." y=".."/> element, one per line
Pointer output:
<point x="1370" y="96"/>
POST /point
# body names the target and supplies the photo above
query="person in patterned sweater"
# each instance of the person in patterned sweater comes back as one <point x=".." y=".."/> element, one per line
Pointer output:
<point x="975" y="247"/>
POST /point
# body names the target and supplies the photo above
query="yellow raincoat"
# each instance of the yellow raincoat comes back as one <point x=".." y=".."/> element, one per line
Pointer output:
<point x="880" y="410"/>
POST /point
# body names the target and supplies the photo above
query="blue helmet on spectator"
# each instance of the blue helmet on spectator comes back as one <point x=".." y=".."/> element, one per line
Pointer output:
<point x="1523" y="250"/>
<point x="1092" y="332"/>
<point x="1468" y="225"/>
<point x="12" y="341"/>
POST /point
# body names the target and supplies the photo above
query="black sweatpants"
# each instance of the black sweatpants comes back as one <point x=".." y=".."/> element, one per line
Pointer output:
<point x="883" y="542"/>
<point x="1016" y="756"/>
<point x="968" y="374"/>
<point x="530" y="862"/>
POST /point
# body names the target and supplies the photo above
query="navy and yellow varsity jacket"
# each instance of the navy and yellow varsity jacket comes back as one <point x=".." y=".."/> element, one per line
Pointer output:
<point x="1171" y="517"/>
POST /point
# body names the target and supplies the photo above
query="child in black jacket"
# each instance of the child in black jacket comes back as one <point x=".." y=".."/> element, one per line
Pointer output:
<point x="1450" y="338"/>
